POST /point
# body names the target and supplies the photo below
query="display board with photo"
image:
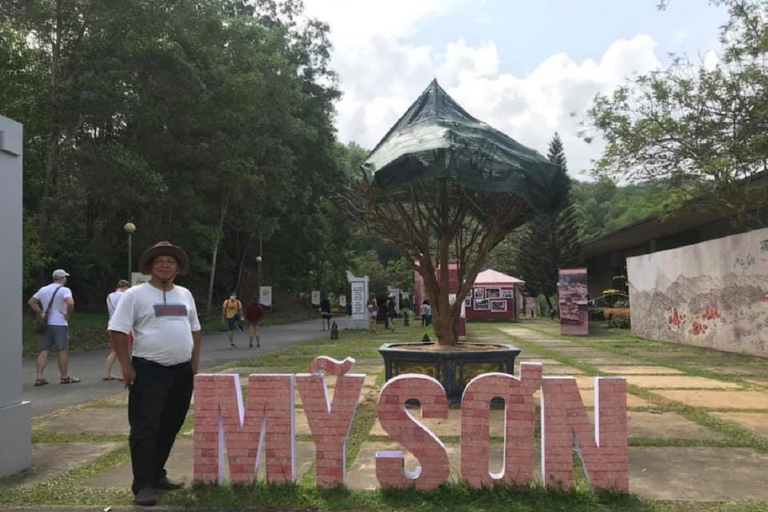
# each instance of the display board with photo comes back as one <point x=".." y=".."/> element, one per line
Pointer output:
<point x="482" y="305"/>
<point x="498" y="305"/>
<point x="507" y="294"/>
<point x="492" y="293"/>
<point x="479" y="293"/>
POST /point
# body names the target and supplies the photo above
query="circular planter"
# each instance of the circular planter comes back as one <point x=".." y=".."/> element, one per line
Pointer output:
<point x="453" y="369"/>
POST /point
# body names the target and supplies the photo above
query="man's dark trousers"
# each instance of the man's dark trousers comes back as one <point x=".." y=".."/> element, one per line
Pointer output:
<point x="157" y="406"/>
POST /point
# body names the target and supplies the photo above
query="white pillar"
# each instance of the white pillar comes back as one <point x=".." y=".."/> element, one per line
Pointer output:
<point x="358" y="297"/>
<point x="15" y="415"/>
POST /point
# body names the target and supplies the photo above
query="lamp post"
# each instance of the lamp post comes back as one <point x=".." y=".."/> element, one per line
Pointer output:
<point x="130" y="228"/>
<point x="258" y="276"/>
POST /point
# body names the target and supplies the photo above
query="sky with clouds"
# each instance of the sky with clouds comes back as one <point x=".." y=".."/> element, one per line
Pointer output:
<point x="522" y="66"/>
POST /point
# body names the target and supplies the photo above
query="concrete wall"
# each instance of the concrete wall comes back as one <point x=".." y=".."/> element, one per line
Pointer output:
<point x="15" y="415"/>
<point x="713" y="294"/>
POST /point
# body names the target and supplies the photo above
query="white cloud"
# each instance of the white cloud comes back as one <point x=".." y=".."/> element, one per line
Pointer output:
<point x="381" y="74"/>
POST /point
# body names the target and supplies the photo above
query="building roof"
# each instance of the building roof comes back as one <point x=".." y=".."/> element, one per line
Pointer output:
<point x="645" y="230"/>
<point x="691" y="215"/>
<point x="491" y="276"/>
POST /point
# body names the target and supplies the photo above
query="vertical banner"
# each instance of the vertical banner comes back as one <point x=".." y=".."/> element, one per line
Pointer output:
<point x="315" y="297"/>
<point x="265" y="296"/>
<point x="572" y="301"/>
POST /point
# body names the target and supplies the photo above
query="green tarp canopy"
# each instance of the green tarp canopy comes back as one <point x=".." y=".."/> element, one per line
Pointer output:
<point x="436" y="138"/>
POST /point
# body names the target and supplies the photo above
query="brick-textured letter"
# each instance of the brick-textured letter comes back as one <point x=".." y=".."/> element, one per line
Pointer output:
<point x="519" y="427"/>
<point x="330" y="422"/>
<point x="220" y="421"/>
<point x="412" y="434"/>
<point x="603" y="450"/>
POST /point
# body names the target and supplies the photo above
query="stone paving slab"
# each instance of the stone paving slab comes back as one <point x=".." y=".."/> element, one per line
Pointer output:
<point x="755" y="421"/>
<point x="745" y="370"/>
<point x="52" y="459"/>
<point x="90" y="421"/>
<point x="180" y="466"/>
<point x="675" y="381"/>
<point x="640" y="370"/>
<point x="743" y="399"/>
<point x="608" y="360"/>
<point x="698" y="473"/>
<point x="560" y="369"/>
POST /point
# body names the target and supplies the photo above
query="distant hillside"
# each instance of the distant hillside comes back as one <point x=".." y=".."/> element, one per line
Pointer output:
<point x="602" y="206"/>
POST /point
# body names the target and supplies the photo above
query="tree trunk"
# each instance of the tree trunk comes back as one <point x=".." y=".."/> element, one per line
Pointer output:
<point x="53" y="146"/>
<point x="549" y="303"/>
<point x="220" y="231"/>
<point x="241" y="267"/>
<point x="442" y="318"/>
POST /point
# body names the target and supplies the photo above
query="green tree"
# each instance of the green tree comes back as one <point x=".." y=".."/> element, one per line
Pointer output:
<point x="549" y="241"/>
<point x="698" y="129"/>
<point x="207" y="123"/>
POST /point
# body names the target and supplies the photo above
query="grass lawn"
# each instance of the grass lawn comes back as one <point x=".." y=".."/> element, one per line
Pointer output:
<point x="67" y="489"/>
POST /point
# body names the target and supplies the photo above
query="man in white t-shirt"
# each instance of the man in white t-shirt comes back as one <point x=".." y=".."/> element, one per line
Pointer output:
<point x="166" y="351"/>
<point x="54" y="302"/>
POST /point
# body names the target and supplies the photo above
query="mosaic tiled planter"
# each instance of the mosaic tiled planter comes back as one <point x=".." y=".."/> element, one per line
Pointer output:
<point x="453" y="369"/>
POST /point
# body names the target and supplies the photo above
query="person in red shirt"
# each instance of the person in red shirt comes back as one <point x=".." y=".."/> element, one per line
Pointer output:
<point x="253" y="315"/>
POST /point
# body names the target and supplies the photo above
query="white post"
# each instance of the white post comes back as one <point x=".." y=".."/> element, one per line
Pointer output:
<point x="15" y="415"/>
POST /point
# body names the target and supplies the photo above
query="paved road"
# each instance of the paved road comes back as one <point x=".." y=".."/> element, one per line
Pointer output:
<point x="89" y="366"/>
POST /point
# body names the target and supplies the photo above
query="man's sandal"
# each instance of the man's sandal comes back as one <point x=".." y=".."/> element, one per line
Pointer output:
<point x="40" y="382"/>
<point x="70" y="380"/>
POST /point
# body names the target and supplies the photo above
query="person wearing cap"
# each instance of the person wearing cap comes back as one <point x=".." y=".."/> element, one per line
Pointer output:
<point x="231" y="316"/>
<point x="160" y="375"/>
<point x="55" y="304"/>
<point x="112" y="300"/>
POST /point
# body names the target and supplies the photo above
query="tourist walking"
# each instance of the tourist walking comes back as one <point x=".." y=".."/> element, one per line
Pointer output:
<point x="325" y="312"/>
<point x="373" y="311"/>
<point x="53" y="304"/>
<point x="253" y="315"/>
<point x="112" y="300"/>
<point x="231" y="316"/>
<point x="166" y="351"/>
<point x="426" y="313"/>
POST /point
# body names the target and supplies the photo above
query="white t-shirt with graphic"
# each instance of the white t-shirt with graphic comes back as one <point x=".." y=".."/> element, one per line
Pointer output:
<point x="58" y="311"/>
<point x="161" y="322"/>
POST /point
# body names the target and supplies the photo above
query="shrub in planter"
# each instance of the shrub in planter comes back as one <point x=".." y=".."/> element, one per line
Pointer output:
<point x="620" y="321"/>
<point x="609" y="312"/>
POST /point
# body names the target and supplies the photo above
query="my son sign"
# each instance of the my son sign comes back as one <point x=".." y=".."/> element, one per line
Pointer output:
<point x="265" y="424"/>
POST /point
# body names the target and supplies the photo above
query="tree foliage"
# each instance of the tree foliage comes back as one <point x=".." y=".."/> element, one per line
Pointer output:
<point x="207" y="123"/>
<point x="550" y="241"/>
<point x="700" y="130"/>
<point x="601" y="206"/>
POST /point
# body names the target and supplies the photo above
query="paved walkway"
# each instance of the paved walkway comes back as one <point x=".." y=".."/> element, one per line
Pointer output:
<point x="89" y="366"/>
<point x="698" y="419"/>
